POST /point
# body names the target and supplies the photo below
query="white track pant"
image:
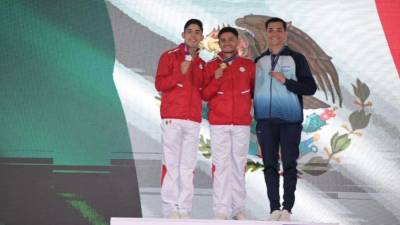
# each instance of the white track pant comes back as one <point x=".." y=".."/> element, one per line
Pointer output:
<point x="229" y="147"/>
<point x="180" y="140"/>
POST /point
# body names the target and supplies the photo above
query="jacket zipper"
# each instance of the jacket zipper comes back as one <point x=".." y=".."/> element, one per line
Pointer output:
<point x="233" y="96"/>
<point x="270" y="97"/>
<point x="191" y="89"/>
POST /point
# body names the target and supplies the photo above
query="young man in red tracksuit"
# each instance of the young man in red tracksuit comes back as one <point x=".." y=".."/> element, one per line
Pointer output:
<point x="229" y="85"/>
<point x="180" y="79"/>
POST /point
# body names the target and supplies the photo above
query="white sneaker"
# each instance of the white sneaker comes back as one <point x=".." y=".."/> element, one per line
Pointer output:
<point x="173" y="215"/>
<point x="240" y="216"/>
<point x="285" y="215"/>
<point x="275" y="215"/>
<point x="185" y="215"/>
<point x="220" y="216"/>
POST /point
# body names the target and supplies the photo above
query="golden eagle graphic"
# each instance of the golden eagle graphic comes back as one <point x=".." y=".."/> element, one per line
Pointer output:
<point x="253" y="42"/>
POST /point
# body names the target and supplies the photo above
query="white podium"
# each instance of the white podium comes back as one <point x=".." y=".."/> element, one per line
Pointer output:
<point x="154" y="221"/>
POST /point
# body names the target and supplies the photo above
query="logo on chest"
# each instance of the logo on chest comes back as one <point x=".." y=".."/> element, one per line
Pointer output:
<point x="285" y="69"/>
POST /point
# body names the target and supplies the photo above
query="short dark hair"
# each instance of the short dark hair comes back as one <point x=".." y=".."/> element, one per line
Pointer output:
<point x="274" y="20"/>
<point x="193" y="21"/>
<point x="228" y="30"/>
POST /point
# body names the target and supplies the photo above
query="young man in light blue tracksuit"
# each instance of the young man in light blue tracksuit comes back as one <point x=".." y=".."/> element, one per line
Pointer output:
<point x="282" y="78"/>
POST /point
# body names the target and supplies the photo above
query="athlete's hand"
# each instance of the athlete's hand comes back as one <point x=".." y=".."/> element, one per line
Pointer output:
<point x="185" y="66"/>
<point x="278" y="76"/>
<point x="219" y="72"/>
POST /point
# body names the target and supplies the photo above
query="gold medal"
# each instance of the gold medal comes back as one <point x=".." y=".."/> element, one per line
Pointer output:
<point x="223" y="66"/>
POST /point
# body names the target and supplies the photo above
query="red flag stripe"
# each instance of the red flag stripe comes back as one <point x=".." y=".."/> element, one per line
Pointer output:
<point x="389" y="14"/>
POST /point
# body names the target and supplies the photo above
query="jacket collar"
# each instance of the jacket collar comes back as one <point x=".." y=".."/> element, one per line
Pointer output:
<point x="283" y="51"/>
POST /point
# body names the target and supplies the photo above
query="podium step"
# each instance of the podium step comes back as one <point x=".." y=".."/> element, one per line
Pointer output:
<point x="155" y="221"/>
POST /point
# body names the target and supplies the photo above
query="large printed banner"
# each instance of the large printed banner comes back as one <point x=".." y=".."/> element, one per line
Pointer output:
<point x="80" y="138"/>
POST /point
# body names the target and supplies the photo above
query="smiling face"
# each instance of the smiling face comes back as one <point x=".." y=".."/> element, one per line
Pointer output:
<point x="192" y="36"/>
<point x="276" y="34"/>
<point x="228" y="42"/>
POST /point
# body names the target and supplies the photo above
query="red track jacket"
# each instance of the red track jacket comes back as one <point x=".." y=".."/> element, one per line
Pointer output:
<point x="180" y="94"/>
<point x="229" y="98"/>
